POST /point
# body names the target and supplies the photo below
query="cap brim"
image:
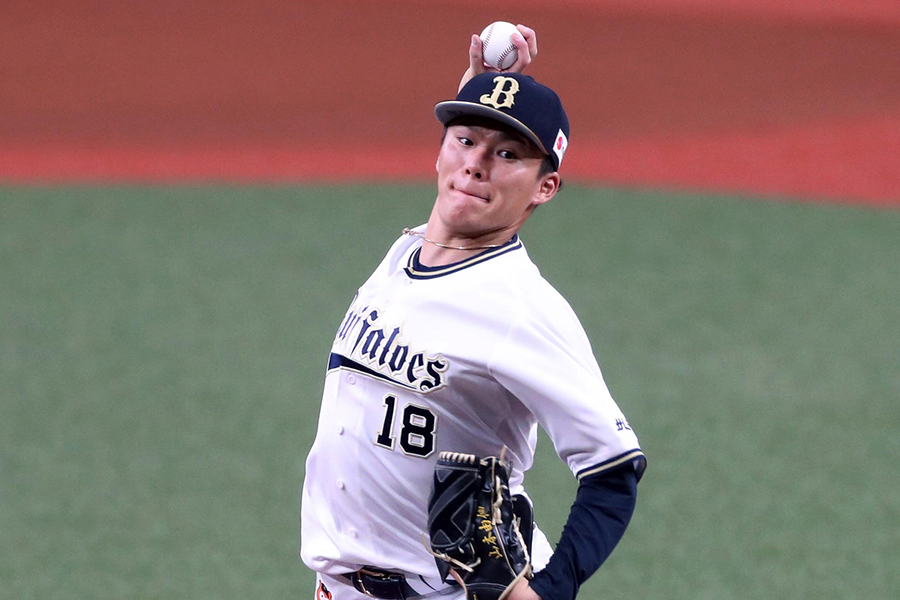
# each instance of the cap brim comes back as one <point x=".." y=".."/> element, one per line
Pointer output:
<point x="451" y="109"/>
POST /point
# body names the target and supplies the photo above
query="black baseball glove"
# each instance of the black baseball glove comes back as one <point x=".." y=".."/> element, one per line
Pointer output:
<point x="479" y="534"/>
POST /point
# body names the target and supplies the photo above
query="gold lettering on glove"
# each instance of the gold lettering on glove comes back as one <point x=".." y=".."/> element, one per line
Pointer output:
<point x="488" y="538"/>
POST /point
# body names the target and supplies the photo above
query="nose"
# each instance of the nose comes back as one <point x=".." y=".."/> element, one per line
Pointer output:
<point x="476" y="164"/>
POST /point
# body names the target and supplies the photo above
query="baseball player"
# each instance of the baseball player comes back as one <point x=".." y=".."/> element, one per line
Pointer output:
<point x="456" y="343"/>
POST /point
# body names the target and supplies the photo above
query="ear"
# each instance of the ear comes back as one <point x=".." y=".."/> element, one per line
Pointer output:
<point x="547" y="188"/>
<point x="437" y="163"/>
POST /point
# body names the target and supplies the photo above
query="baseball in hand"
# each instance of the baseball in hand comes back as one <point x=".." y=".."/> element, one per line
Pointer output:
<point x="497" y="46"/>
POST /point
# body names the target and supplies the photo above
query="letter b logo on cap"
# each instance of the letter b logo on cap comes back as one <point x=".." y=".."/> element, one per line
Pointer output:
<point x="503" y="96"/>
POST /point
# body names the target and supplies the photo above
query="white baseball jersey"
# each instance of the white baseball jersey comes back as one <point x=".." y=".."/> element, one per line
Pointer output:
<point x="469" y="358"/>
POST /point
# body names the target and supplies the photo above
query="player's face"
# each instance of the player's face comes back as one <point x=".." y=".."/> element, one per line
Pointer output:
<point x="488" y="183"/>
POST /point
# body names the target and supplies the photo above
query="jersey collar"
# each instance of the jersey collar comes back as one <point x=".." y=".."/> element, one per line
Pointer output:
<point x="416" y="270"/>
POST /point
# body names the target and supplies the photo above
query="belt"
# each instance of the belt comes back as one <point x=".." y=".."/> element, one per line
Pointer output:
<point x="378" y="583"/>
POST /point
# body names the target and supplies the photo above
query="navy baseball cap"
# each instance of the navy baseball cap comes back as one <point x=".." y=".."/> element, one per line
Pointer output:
<point x="516" y="100"/>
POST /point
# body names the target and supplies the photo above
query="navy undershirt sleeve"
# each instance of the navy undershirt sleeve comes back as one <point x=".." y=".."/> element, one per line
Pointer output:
<point x="598" y="518"/>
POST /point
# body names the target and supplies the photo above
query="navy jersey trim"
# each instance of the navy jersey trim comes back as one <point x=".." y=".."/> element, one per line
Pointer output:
<point x="635" y="456"/>
<point x="337" y="361"/>
<point x="416" y="270"/>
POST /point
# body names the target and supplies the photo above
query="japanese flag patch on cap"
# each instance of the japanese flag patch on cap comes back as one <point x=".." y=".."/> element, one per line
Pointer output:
<point x="559" y="147"/>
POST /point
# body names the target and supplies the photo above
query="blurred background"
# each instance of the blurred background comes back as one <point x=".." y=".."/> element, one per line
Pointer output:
<point x="190" y="194"/>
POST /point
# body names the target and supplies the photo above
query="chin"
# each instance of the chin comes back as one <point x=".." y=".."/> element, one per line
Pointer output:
<point x="460" y="207"/>
<point x="462" y="222"/>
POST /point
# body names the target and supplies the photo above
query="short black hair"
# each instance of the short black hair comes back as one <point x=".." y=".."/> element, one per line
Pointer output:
<point x="547" y="166"/>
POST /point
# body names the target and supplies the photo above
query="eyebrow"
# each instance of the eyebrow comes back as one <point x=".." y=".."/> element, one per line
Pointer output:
<point x="506" y="134"/>
<point x="515" y="137"/>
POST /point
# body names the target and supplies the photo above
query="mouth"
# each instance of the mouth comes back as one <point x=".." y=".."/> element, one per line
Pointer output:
<point x="472" y="193"/>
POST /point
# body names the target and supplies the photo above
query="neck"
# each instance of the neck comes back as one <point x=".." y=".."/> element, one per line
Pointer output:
<point x="436" y="252"/>
<point x="443" y="245"/>
<point x="435" y="256"/>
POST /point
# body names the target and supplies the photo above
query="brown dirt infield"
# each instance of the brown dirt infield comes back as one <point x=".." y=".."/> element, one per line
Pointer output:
<point x="730" y="96"/>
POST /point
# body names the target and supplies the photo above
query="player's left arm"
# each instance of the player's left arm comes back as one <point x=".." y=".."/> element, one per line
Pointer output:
<point x="597" y="521"/>
<point x="526" y="49"/>
<point x="549" y="366"/>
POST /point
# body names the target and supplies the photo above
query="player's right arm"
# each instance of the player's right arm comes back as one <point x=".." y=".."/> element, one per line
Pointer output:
<point x="526" y="48"/>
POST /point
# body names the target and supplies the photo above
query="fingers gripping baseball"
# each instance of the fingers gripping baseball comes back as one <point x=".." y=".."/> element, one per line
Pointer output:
<point x="525" y="42"/>
<point x="526" y="48"/>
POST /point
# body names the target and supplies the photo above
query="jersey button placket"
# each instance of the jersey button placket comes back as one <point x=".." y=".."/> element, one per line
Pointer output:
<point x="351" y="380"/>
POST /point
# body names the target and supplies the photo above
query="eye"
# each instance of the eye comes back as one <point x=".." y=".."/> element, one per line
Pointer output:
<point x="465" y="141"/>
<point x="507" y="154"/>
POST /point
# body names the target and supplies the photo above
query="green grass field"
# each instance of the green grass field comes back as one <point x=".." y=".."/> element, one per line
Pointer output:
<point x="162" y="354"/>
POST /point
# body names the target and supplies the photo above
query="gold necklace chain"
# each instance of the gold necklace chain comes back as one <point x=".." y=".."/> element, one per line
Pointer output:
<point x="408" y="231"/>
